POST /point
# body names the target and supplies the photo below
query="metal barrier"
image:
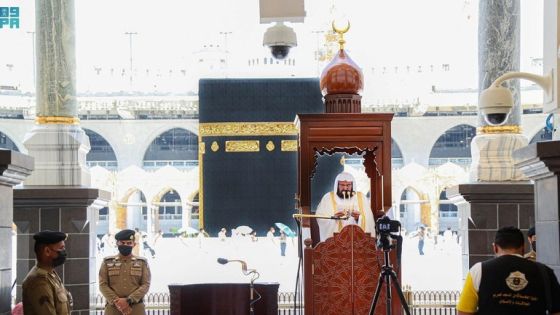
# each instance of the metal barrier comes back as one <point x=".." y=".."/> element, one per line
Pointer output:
<point x="431" y="302"/>
<point x="419" y="302"/>
<point x="156" y="303"/>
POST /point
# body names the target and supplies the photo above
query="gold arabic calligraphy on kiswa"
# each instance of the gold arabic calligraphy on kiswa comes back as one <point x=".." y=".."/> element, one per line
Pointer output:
<point x="248" y="129"/>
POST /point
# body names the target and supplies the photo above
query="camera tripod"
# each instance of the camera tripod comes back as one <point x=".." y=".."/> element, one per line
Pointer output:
<point x="387" y="273"/>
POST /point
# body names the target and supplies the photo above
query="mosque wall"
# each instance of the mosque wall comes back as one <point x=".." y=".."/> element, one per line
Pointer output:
<point x="130" y="139"/>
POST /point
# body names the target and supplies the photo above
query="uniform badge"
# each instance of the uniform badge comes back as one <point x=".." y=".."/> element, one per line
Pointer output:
<point x="136" y="264"/>
<point x="110" y="264"/>
<point x="118" y="264"/>
<point x="516" y="281"/>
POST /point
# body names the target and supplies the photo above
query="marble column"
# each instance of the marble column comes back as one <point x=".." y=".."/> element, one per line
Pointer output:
<point x="57" y="196"/>
<point x="14" y="167"/>
<point x="57" y="142"/>
<point x="541" y="162"/>
<point x="498" y="53"/>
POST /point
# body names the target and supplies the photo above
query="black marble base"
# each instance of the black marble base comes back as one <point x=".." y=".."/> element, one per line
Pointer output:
<point x="71" y="210"/>
<point x="486" y="207"/>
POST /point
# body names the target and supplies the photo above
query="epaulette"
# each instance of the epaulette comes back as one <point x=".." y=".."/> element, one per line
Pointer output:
<point x="139" y="258"/>
<point x="111" y="258"/>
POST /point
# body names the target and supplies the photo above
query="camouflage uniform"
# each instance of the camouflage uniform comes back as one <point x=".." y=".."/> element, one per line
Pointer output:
<point x="43" y="293"/>
<point x="124" y="277"/>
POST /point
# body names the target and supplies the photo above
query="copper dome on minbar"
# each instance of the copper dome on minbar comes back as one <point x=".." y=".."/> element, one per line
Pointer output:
<point x="342" y="76"/>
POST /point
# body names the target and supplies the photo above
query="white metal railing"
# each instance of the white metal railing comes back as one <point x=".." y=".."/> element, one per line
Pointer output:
<point x="152" y="164"/>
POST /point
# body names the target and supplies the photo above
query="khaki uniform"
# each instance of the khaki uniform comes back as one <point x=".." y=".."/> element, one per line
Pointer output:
<point x="532" y="255"/>
<point x="44" y="294"/>
<point x="121" y="277"/>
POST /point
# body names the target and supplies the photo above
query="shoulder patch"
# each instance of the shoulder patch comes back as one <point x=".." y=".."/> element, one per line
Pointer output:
<point x="141" y="258"/>
<point x="109" y="258"/>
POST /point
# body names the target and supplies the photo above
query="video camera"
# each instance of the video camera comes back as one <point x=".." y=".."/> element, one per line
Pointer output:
<point x="384" y="227"/>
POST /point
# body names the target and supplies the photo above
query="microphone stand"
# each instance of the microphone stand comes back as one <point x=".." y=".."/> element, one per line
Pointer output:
<point x="298" y="290"/>
<point x="254" y="276"/>
<point x="252" y="291"/>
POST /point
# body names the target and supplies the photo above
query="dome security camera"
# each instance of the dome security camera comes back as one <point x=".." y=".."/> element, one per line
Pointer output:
<point x="495" y="103"/>
<point x="280" y="38"/>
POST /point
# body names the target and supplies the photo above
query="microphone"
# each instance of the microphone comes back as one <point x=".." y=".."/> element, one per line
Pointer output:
<point x="254" y="276"/>
<point x="224" y="261"/>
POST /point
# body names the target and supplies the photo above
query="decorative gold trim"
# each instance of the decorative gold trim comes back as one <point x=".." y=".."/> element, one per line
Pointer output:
<point x="498" y="129"/>
<point x="288" y="145"/>
<point x="201" y="152"/>
<point x="215" y="146"/>
<point x="248" y="129"/>
<point x="270" y="146"/>
<point x="243" y="146"/>
<point x="60" y="120"/>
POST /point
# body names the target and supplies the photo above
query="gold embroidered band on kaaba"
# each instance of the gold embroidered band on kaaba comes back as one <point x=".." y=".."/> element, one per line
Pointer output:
<point x="247" y="129"/>
<point x="243" y="146"/>
<point x="288" y="145"/>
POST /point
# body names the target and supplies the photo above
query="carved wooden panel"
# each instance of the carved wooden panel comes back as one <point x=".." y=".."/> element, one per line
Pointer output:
<point x="346" y="270"/>
<point x="332" y="275"/>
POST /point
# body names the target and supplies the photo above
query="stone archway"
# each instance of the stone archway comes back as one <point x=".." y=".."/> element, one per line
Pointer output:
<point x="168" y="214"/>
<point x="453" y="146"/>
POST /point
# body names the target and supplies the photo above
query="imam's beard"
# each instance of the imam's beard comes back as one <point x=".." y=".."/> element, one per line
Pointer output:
<point x="341" y="193"/>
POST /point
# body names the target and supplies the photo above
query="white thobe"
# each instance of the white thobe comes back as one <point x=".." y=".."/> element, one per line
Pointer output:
<point x="328" y="208"/>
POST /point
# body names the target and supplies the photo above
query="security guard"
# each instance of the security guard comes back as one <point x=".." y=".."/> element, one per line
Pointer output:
<point x="510" y="284"/>
<point x="43" y="291"/>
<point x="532" y="238"/>
<point x="124" y="279"/>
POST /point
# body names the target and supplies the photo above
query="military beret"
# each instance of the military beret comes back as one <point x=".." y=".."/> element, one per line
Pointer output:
<point x="125" y="235"/>
<point x="49" y="237"/>
<point x="531" y="232"/>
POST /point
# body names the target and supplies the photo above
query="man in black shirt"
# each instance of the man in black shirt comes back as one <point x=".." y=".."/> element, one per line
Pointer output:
<point x="510" y="284"/>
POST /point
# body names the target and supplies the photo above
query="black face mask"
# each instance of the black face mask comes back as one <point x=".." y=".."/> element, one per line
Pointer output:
<point x="534" y="245"/>
<point x="60" y="259"/>
<point x="125" y="250"/>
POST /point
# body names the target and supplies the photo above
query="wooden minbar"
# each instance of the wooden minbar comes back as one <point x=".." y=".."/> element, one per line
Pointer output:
<point x="341" y="273"/>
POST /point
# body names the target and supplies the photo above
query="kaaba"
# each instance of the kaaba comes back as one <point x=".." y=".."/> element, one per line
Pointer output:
<point x="248" y="150"/>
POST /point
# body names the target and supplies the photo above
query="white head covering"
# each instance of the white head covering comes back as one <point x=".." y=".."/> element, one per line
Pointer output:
<point x="344" y="176"/>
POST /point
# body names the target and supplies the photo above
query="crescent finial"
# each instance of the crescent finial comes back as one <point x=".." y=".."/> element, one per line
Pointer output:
<point x="340" y="33"/>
